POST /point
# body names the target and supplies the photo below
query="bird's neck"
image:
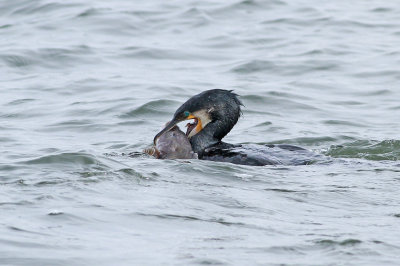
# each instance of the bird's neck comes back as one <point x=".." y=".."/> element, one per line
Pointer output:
<point x="205" y="138"/>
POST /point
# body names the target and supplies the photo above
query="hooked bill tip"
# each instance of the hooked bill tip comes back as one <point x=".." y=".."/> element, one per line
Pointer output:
<point x="168" y="127"/>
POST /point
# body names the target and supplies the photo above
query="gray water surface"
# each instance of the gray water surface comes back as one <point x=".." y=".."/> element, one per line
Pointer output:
<point x="83" y="83"/>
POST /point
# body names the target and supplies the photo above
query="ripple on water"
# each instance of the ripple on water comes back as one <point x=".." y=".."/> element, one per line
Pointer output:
<point x="254" y="66"/>
<point x="346" y="242"/>
<point x="151" y="108"/>
<point x="367" y="149"/>
<point x="286" y="68"/>
<point x="343" y="122"/>
<point x="93" y="12"/>
<point x="33" y="7"/>
<point x="54" y="58"/>
<point x="65" y="158"/>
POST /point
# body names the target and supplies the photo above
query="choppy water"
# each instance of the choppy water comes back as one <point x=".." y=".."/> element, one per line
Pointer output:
<point x="84" y="82"/>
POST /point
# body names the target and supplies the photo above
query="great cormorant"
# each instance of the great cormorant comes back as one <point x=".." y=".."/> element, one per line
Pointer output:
<point x="214" y="113"/>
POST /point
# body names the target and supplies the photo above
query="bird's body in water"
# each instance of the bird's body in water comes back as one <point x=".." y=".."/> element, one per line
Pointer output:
<point x="214" y="113"/>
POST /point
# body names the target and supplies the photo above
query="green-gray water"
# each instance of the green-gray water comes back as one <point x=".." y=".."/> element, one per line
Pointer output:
<point x="84" y="82"/>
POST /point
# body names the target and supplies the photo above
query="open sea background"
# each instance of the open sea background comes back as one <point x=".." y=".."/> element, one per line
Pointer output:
<point x="83" y="83"/>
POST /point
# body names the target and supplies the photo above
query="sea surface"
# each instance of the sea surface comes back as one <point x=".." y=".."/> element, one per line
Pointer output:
<point x="84" y="83"/>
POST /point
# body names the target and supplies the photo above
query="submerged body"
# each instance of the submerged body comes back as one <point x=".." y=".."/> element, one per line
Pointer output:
<point x="259" y="155"/>
<point x="173" y="145"/>
<point x="214" y="113"/>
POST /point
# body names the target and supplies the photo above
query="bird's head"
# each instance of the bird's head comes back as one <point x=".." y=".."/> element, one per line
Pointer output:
<point x="213" y="114"/>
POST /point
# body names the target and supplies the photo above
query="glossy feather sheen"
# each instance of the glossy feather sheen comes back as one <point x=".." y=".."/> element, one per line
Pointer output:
<point x="223" y="112"/>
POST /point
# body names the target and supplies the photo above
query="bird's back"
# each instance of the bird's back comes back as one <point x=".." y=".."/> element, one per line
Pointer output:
<point x="258" y="155"/>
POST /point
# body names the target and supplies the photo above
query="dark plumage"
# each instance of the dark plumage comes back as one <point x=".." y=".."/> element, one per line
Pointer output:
<point x="215" y="112"/>
<point x="224" y="109"/>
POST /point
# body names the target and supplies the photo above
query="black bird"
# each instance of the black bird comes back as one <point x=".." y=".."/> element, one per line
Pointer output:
<point x="214" y="113"/>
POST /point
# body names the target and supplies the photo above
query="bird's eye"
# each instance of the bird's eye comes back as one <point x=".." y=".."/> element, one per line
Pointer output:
<point x="186" y="113"/>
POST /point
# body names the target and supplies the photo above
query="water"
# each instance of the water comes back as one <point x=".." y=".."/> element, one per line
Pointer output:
<point x="85" y="82"/>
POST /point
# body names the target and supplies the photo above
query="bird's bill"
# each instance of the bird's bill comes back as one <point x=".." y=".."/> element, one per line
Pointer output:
<point x="175" y="121"/>
<point x="194" y="127"/>
<point x="167" y="128"/>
